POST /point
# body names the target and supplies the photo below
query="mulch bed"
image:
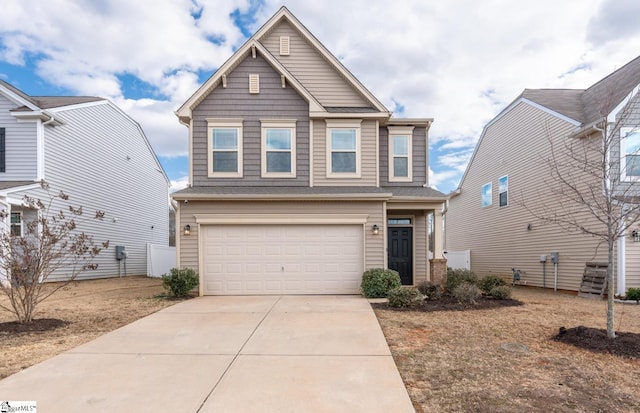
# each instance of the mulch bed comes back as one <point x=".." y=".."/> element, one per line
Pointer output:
<point x="36" y="326"/>
<point x="451" y="304"/>
<point x="596" y="340"/>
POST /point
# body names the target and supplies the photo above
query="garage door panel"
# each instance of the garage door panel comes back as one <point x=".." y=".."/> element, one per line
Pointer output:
<point x="282" y="259"/>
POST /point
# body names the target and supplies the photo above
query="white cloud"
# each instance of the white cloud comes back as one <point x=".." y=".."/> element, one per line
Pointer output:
<point x="178" y="184"/>
<point x="460" y="61"/>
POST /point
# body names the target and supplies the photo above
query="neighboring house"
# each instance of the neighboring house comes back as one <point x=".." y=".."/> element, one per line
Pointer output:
<point x="99" y="156"/>
<point x="507" y="172"/>
<point x="300" y="179"/>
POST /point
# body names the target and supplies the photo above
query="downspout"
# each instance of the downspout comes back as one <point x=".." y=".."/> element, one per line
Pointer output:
<point x="40" y="155"/>
<point x="426" y="154"/>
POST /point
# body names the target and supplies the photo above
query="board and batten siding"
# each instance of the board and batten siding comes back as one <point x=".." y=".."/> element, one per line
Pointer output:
<point x="234" y="101"/>
<point x="21" y="150"/>
<point x="516" y="145"/>
<point x="374" y="244"/>
<point x="311" y="69"/>
<point x="368" y="159"/>
<point x="102" y="161"/>
<point x="418" y="152"/>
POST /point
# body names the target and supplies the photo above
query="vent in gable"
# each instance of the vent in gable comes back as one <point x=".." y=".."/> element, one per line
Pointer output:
<point x="254" y="83"/>
<point x="284" y="45"/>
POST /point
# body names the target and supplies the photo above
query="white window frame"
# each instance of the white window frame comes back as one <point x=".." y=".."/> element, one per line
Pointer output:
<point x="482" y="190"/>
<point x="623" y="154"/>
<point x="506" y="190"/>
<point x="212" y="124"/>
<point x="278" y="124"/>
<point x="397" y="131"/>
<point x="21" y="223"/>
<point x="344" y="124"/>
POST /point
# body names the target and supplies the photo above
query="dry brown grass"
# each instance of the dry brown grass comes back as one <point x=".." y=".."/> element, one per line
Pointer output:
<point x="452" y="361"/>
<point x="92" y="308"/>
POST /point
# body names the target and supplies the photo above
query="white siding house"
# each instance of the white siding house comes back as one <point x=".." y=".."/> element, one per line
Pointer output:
<point x="100" y="157"/>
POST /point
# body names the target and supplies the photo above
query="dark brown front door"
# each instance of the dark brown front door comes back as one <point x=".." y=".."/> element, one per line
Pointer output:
<point x="401" y="252"/>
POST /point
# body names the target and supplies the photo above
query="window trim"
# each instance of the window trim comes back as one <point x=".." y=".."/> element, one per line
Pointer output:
<point x="506" y="191"/>
<point x="212" y="124"/>
<point x="11" y="224"/>
<point x="488" y="185"/>
<point x="277" y="124"/>
<point x="623" y="154"/>
<point x="395" y="131"/>
<point x="343" y="124"/>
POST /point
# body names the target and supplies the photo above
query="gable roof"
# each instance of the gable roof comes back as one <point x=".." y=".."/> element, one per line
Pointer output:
<point x="254" y="43"/>
<point x="27" y="103"/>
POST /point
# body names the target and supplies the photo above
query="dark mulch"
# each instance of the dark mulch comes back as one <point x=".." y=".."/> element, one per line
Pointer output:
<point x="36" y="326"/>
<point x="596" y="340"/>
<point x="447" y="303"/>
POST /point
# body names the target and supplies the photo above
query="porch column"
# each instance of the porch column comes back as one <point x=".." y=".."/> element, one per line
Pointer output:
<point x="438" y="264"/>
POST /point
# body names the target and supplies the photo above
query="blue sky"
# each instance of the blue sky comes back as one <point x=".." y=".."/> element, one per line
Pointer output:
<point x="459" y="61"/>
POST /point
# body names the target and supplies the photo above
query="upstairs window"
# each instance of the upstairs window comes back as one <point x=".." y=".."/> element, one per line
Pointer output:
<point x="16" y="224"/>
<point x="279" y="149"/>
<point x="503" y="190"/>
<point x="225" y="148"/>
<point x="630" y="150"/>
<point x="400" y="154"/>
<point x="343" y="149"/>
<point x="486" y="195"/>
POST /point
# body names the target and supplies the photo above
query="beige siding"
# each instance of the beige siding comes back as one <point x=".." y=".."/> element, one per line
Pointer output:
<point x="516" y="145"/>
<point x="367" y="157"/>
<point x="314" y="72"/>
<point x="374" y="245"/>
<point x="632" y="270"/>
<point x="420" y="248"/>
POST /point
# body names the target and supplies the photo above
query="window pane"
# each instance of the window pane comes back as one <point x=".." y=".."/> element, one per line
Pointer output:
<point x="486" y="195"/>
<point x="16" y="230"/>
<point x="343" y="139"/>
<point x="632" y="143"/>
<point x="279" y="139"/>
<point x="503" y="184"/>
<point x="225" y="139"/>
<point x="278" y="161"/>
<point x="401" y="145"/>
<point x="401" y="167"/>
<point x="399" y="221"/>
<point x="633" y="165"/>
<point x="343" y="162"/>
<point x="503" y="199"/>
<point x="16" y="217"/>
<point x="225" y="162"/>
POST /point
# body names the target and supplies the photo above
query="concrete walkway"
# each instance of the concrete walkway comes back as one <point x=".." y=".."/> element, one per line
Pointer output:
<point x="227" y="354"/>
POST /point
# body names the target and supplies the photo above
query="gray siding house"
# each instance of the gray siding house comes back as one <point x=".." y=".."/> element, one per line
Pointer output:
<point x="490" y="212"/>
<point x="99" y="156"/>
<point x="300" y="179"/>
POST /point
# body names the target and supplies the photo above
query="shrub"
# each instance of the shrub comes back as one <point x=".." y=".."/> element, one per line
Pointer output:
<point x="429" y="290"/>
<point x="403" y="297"/>
<point x="489" y="282"/>
<point x="180" y="281"/>
<point x="377" y="282"/>
<point x="633" y="294"/>
<point x="501" y="292"/>
<point x="466" y="293"/>
<point x="458" y="276"/>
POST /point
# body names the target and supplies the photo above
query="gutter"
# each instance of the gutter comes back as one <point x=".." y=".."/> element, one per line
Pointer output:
<point x="281" y="197"/>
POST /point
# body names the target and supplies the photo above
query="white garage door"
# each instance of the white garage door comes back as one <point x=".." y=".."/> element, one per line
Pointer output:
<point x="282" y="259"/>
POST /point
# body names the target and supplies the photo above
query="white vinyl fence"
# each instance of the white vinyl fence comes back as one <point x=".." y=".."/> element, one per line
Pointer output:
<point x="160" y="259"/>
<point x="458" y="259"/>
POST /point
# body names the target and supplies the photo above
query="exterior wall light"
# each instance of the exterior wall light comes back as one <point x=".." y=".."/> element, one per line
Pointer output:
<point x="375" y="229"/>
<point x="187" y="229"/>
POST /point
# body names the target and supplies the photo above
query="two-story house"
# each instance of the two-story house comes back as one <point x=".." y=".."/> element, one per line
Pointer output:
<point x="90" y="149"/>
<point x="493" y="211"/>
<point x="300" y="179"/>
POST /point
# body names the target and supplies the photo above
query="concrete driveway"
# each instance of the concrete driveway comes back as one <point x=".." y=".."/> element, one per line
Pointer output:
<point x="227" y="354"/>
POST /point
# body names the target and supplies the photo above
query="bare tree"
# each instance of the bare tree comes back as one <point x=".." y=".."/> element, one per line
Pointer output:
<point x="50" y="242"/>
<point x="594" y="184"/>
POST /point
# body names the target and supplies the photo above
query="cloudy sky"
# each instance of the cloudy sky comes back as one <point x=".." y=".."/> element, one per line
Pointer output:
<point x="458" y="61"/>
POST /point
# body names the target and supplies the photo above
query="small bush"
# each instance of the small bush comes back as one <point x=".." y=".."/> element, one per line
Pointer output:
<point x="501" y="292"/>
<point x="429" y="290"/>
<point x="466" y="293"/>
<point x="377" y="282"/>
<point x="403" y="297"/>
<point x="489" y="282"/>
<point x="180" y="281"/>
<point x="633" y="294"/>
<point x="459" y="276"/>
